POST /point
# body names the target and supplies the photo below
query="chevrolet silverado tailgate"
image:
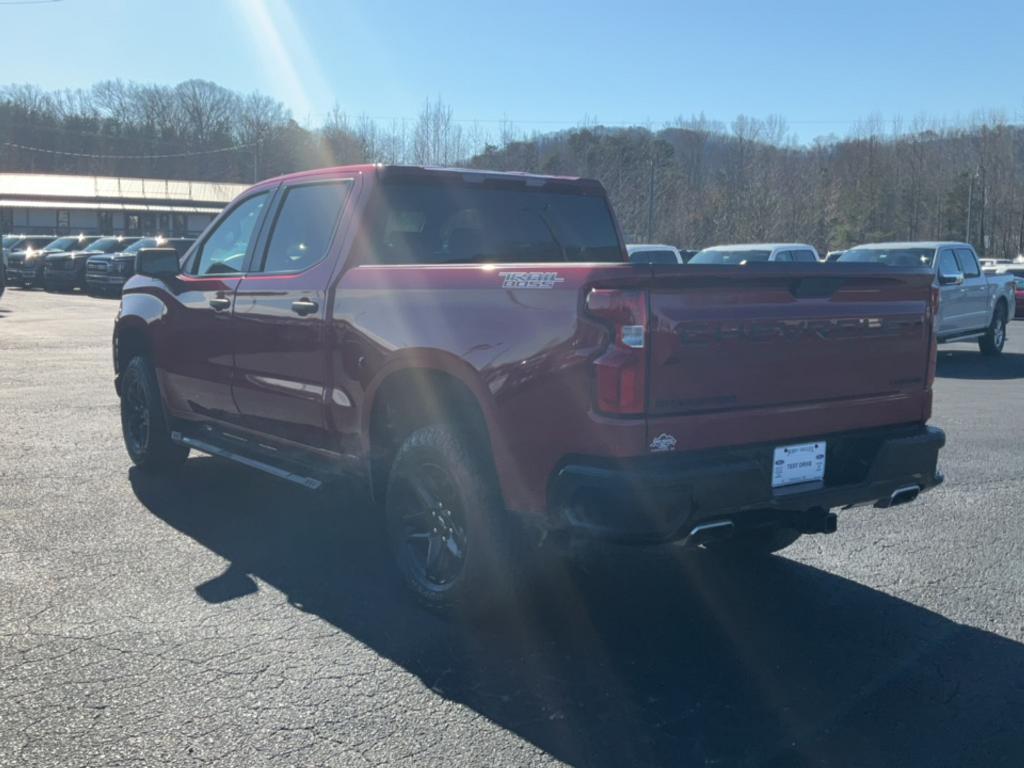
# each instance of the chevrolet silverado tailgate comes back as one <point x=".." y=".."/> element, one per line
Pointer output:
<point x="773" y="351"/>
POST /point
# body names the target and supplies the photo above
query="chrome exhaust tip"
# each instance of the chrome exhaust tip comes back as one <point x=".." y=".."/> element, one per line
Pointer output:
<point x="903" y="495"/>
<point x="707" y="533"/>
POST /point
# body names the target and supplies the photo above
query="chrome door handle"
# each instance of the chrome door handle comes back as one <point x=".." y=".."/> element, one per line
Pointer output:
<point x="220" y="304"/>
<point x="304" y="307"/>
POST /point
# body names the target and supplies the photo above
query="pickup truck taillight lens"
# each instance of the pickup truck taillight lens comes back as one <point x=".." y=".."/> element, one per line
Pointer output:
<point x="621" y="372"/>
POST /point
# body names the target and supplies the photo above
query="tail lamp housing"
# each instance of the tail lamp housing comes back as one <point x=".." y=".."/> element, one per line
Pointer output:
<point x="621" y="371"/>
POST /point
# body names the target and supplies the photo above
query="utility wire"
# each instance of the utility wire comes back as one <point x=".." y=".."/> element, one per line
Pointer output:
<point x="126" y="157"/>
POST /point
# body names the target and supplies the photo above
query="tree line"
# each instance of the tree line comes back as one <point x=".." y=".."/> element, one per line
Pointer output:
<point x="693" y="183"/>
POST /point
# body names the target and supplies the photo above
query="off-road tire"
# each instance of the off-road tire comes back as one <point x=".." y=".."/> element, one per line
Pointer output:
<point x="995" y="337"/>
<point x="440" y="461"/>
<point x="143" y="423"/>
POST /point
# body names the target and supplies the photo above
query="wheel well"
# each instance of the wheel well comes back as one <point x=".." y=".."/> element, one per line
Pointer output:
<point x="1001" y="301"/>
<point x="131" y="342"/>
<point x="411" y="399"/>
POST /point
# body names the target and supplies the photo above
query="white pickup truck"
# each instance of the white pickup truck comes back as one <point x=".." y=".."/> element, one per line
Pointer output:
<point x="972" y="304"/>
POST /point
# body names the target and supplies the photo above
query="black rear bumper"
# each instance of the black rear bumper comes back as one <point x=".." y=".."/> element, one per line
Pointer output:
<point x="661" y="498"/>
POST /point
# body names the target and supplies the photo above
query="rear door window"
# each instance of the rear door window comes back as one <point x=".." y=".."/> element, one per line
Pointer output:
<point x="304" y="226"/>
<point x="804" y="256"/>
<point x="783" y="256"/>
<point x="968" y="262"/>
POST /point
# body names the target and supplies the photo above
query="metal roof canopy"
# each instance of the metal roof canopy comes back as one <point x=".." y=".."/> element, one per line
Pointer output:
<point x="61" y="190"/>
<point x="128" y="207"/>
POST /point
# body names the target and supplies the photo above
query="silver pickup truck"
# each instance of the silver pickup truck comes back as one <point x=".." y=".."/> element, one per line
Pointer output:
<point x="972" y="304"/>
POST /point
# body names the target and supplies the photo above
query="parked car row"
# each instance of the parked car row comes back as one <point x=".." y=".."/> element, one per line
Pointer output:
<point x="106" y="273"/>
<point x="91" y="263"/>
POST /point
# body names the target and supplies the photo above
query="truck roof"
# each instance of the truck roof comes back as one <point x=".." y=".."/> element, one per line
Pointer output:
<point x="748" y="246"/>
<point x="914" y="244"/>
<point x="382" y="169"/>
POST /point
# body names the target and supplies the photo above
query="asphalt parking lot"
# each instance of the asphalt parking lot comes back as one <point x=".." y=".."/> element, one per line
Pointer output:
<point x="225" y="618"/>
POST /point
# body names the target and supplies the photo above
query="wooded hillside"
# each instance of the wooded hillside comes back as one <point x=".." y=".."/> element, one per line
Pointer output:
<point x="693" y="184"/>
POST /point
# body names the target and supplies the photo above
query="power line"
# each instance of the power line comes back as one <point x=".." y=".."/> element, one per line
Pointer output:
<point x="234" y="148"/>
<point x="22" y="125"/>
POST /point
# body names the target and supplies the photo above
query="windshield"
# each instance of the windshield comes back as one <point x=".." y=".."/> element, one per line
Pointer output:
<point x="106" y="245"/>
<point x="712" y="256"/>
<point x="891" y="257"/>
<point x="66" y="244"/>
<point x="146" y="242"/>
<point x="455" y="223"/>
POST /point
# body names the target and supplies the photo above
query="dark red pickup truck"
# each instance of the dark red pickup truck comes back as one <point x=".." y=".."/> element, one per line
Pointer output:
<point x="477" y="346"/>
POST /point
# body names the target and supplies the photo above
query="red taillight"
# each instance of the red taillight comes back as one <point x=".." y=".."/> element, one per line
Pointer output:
<point x="621" y="372"/>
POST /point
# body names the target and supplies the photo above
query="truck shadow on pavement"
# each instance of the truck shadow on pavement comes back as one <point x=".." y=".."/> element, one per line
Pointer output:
<point x="971" y="364"/>
<point x="649" y="659"/>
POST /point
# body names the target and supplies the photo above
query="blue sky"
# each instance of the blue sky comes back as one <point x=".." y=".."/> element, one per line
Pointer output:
<point x="547" y="64"/>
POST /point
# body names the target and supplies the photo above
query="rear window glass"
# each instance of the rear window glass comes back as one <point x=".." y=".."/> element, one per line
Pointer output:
<point x="892" y="257"/>
<point x="653" y="257"/>
<point x="712" y="256"/>
<point x="470" y="222"/>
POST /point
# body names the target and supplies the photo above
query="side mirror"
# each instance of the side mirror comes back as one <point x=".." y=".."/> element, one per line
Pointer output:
<point x="951" y="278"/>
<point x="160" y="263"/>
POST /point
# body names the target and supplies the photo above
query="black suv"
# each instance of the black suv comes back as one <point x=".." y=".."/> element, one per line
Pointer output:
<point x="66" y="271"/>
<point x="106" y="273"/>
<point x="25" y="257"/>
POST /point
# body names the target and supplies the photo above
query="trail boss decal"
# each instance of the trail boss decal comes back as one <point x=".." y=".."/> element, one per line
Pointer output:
<point x="530" y="279"/>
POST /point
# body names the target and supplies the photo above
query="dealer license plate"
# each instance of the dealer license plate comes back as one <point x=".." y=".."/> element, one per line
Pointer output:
<point x="803" y="463"/>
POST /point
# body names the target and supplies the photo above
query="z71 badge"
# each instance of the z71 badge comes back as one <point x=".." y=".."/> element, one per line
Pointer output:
<point x="531" y="279"/>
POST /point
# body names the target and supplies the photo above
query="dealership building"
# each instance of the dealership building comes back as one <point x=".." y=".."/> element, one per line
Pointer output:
<point x="46" y="203"/>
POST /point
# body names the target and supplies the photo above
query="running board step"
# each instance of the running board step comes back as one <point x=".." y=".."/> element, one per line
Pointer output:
<point x="215" y="450"/>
